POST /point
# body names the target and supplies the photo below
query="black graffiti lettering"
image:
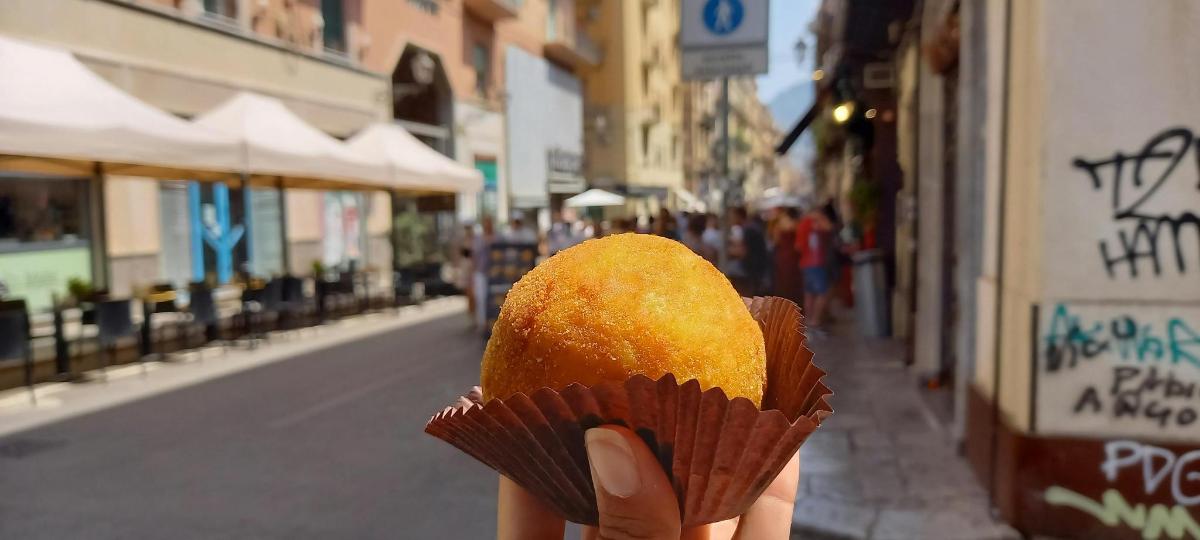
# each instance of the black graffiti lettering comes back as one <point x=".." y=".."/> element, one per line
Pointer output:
<point x="1122" y="374"/>
<point x="1128" y="403"/>
<point x="1179" y="389"/>
<point x="1059" y="353"/>
<point x="1090" y="399"/>
<point x="1156" y="412"/>
<point x="1152" y="380"/>
<point x="1186" y="416"/>
<point x="1130" y="193"/>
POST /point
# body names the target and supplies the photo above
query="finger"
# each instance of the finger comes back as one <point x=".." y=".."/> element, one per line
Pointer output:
<point x="771" y="515"/>
<point x="520" y="515"/>
<point x="722" y="530"/>
<point x="633" y="494"/>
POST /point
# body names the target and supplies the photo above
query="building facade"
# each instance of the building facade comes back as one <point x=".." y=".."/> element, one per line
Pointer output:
<point x="186" y="57"/>
<point x="634" y="113"/>
<point x="1046" y="247"/>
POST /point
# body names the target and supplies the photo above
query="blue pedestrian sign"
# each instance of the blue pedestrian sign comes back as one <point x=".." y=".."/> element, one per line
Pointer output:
<point x="723" y="38"/>
<point x="722" y="17"/>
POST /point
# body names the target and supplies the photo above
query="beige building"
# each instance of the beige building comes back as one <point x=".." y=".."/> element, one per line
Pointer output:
<point x="753" y="136"/>
<point x="437" y="67"/>
<point x="633" y="127"/>
<point x="447" y="63"/>
<point x="187" y="56"/>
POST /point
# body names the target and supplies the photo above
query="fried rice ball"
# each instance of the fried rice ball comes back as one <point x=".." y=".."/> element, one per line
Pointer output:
<point x="622" y="305"/>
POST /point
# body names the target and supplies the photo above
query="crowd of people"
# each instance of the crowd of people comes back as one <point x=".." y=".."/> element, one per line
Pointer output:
<point x="781" y="251"/>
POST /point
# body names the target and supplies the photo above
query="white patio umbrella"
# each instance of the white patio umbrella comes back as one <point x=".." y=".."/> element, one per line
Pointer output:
<point x="59" y="117"/>
<point x="595" y="198"/>
<point x="411" y="163"/>
<point x="278" y="147"/>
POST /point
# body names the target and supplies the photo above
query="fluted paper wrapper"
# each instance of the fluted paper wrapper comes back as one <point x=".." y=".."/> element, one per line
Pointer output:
<point x="720" y="454"/>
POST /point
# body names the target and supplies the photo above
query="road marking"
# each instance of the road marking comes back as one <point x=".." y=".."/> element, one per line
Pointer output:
<point x="333" y="402"/>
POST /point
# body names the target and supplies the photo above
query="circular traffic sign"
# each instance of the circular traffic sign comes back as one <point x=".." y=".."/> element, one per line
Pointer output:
<point x="722" y="17"/>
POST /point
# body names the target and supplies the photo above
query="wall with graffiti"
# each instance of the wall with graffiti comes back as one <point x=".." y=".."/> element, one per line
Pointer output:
<point x="1110" y="235"/>
<point x="1118" y="370"/>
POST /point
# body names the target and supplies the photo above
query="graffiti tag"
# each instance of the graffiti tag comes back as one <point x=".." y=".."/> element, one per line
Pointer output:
<point x="1149" y="220"/>
<point x="1070" y="338"/>
<point x="1160" y="470"/>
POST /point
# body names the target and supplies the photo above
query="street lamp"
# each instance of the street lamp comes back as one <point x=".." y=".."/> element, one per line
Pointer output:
<point x="842" y="112"/>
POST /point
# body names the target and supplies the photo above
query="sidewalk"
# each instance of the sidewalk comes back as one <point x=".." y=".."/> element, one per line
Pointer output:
<point x="882" y="467"/>
<point x="130" y="382"/>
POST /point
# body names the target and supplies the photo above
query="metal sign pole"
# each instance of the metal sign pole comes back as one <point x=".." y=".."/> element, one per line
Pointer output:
<point x="725" y="182"/>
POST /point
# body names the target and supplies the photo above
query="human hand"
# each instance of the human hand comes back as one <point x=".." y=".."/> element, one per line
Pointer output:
<point x="636" y="501"/>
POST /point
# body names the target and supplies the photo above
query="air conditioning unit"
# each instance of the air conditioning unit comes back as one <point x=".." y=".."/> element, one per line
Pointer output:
<point x="879" y="75"/>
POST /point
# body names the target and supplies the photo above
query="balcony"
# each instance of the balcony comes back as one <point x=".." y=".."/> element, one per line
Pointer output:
<point x="571" y="48"/>
<point x="493" y="10"/>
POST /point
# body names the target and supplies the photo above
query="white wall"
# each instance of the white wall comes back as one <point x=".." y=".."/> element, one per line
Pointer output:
<point x="545" y="111"/>
<point x="1122" y="93"/>
<point x="930" y="232"/>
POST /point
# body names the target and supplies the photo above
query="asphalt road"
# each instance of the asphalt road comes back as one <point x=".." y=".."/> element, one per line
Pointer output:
<point x="325" y="445"/>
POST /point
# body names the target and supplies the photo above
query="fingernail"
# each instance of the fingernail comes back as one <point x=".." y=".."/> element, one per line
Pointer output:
<point x="612" y="460"/>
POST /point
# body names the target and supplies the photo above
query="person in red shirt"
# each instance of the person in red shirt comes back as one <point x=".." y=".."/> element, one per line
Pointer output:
<point x="814" y="241"/>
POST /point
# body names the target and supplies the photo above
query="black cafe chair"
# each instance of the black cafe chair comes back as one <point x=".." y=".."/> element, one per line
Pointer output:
<point x="114" y="321"/>
<point x="295" y="304"/>
<point x="201" y="311"/>
<point x="15" y="340"/>
<point x="161" y="299"/>
<point x="257" y="305"/>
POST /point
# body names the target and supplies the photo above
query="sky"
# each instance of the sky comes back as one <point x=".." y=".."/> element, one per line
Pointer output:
<point x="789" y="21"/>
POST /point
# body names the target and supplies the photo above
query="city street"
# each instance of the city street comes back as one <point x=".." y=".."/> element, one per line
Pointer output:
<point x="325" y="445"/>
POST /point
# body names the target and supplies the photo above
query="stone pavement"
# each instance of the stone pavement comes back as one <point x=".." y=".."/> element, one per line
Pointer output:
<point x="882" y="467"/>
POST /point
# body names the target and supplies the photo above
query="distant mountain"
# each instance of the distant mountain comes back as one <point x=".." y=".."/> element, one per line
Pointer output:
<point x="787" y="108"/>
<point x="789" y="105"/>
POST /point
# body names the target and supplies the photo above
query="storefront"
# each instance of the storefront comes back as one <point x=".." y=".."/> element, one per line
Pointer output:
<point x="480" y="145"/>
<point x="210" y="230"/>
<point x="544" y="133"/>
<point x="46" y="236"/>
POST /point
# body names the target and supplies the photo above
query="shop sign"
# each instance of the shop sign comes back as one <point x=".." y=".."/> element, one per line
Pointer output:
<point x="564" y="171"/>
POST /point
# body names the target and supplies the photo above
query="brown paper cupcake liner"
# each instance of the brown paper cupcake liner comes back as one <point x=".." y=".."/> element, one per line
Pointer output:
<point x="720" y="454"/>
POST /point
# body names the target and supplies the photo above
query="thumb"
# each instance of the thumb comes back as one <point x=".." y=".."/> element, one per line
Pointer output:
<point x="633" y="494"/>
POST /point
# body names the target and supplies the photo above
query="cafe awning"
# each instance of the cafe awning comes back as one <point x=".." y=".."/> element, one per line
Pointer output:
<point x="59" y="117"/>
<point x="279" y="148"/>
<point x="411" y="163"/>
<point x="595" y="198"/>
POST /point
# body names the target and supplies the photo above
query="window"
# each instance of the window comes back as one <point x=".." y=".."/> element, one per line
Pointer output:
<point x="552" y="20"/>
<point x="334" y="31"/>
<point x="481" y="61"/>
<point x="42" y="210"/>
<point x="227" y="8"/>
<point x="428" y="6"/>
<point x="646" y="142"/>
<point x="43" y="237"/>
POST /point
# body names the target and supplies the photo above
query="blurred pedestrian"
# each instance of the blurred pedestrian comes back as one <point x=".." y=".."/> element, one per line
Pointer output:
<point x="747" y="252"/>
<point x="693" y="238"/>
<point x="814" y="241"/>
<point x="712" y="233"/>
<point x="560" y="236"/>
<point x="465" y="276"/>
<point x="788" y="282"/>
<point x="481" y="252"/>
<point x="665" y="225"/>
<point x="519" y="231"/>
